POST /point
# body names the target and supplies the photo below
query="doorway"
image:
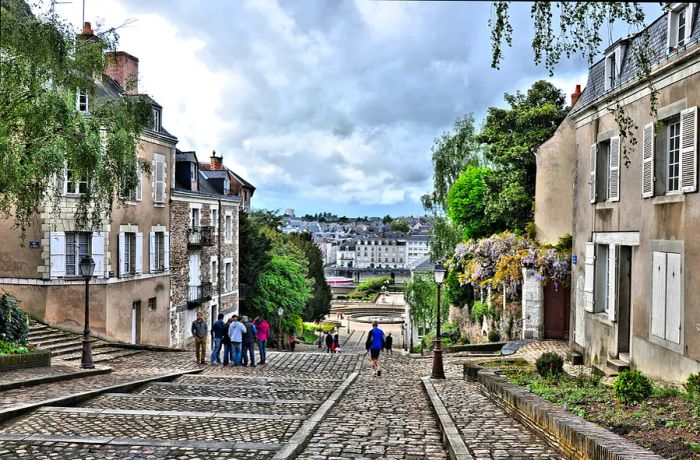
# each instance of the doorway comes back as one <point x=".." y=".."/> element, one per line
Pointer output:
<point x="557" y="309"/>
<point x="136" y="322"/>
<point x="624" y="305"/>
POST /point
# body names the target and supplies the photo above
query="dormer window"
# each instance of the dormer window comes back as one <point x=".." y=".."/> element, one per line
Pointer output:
<point x="680" y="19"/>
<point x="613" y="66"/>
<point x="81" y="100"/>
<point x="156" y="120"/>
<point x="227" y="186"/>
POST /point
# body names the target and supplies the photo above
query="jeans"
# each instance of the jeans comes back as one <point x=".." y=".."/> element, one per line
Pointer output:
<point x="236" y="353"/>
<point x="263" y="351"/>
<point x="249" y="349"/>
<point x="228" y="353"/>
<point x="201" y="347"/>
<point x="216" y="350"/>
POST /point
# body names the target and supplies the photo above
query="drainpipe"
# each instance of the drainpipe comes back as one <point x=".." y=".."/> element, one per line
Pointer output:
<point x="219" y="231"/>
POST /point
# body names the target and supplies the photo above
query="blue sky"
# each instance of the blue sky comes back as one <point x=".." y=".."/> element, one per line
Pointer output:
<point x="324" y="105"/>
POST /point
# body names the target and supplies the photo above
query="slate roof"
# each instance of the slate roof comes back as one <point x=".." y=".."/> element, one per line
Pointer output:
<point x="186" y="156"/>
<point x="595" y="87"/>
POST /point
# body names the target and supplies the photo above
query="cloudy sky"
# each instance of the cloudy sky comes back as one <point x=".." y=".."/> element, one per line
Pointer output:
<point x="324" y="105"/>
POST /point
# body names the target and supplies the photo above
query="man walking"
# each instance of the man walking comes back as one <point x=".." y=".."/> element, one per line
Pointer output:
<point x="389" y="341"/>
<point x="374" y="344"/>
<point x="263" y="328"/>
<point x="249" y="342"/>
<point x="199" y="332"/>
<point x="235" y="332"/>
<point x="329" y="342"/>
<point x="217" y="335"/>
<point x="226" y="341"/>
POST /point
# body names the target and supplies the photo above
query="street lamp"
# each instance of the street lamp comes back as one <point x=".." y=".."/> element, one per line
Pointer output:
<point x="438" y="370"/>
<point x="280" y="312"/>
<point x="87" y="268"/>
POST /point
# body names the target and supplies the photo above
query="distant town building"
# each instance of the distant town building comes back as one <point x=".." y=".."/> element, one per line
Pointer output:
<point x="380" y="253"/>
<point x="289" y="212"/>
<point x="417" y="249"/>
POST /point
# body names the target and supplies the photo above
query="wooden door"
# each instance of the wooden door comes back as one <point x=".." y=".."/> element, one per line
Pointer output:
<point x="557" y="309"/>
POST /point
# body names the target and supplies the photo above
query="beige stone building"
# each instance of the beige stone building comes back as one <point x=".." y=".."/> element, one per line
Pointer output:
<point x="129" y="296"/>
<point x="635" y="206"/>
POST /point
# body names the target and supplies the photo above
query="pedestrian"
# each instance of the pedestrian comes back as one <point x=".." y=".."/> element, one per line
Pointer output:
<point x="292" y="343"/>
<point x="329" y="342"/>
<point x="248" y="341"/>
<point x="235" y="331"/>
<point x="199" y="332"/>
<point x="217" y="336"/>
<point x="226" y="341"/>
<point x="263" y="328"/>
<point x="388" y="342"/>
<point x="375" y="344"/>
<point x="336" y="342"/>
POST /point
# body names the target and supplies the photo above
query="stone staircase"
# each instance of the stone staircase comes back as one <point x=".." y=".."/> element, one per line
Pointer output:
<point x="68" y="346"/>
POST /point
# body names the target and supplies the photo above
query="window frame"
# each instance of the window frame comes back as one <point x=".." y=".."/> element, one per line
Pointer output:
<point x="77" y="255"/>
<point x="77" y="184"/>
<point x="82" y="93"/>
<point x="675" y="122"/>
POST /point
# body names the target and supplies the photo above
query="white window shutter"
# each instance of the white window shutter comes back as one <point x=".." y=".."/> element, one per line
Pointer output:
<point x="57" y="249"/>
<point x="615" y="169"/>
<point x="166" y="250"/>
<point x="689" y="15"/>
<point x="152" y="252"/>
<point x="122" y="254"/>
<point x="589" y="276"/>
<point x="98" y="253"/>
<point x="612" y="282"/>
<point x="153" y="179"/>
<point x="658" y="296"/>
<point x="689" y="150"/>
<point x="618" y="62"/>
<point x="138" y="265"/>
<point x="673" y="297"/>
<point x="139" y="185"/>
<point x="672" y="33"/>
<point x="594" y="152"/>
<point x="648" y="161"/>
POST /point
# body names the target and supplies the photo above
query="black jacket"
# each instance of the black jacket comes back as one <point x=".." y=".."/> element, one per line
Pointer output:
<point x="249" y="336"/>
<point x="329" y="340"/>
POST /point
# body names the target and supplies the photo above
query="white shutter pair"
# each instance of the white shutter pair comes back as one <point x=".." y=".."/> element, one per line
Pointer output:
<point x="159" y="178"/>
<point x="666" y="296"/>
<point x="614" y="171"/>
<point x="124" y="257"/>
<point x="98" y="253"/>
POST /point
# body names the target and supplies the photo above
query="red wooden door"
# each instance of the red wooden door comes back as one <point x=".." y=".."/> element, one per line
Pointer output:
<point x="557" y="308"/>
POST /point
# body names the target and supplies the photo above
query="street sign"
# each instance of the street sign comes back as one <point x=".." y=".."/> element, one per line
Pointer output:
<point x="34" y="245"/>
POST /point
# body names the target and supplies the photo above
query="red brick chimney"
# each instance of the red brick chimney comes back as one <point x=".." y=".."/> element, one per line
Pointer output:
<point x="87" y="29"/>
<point x="576" y="95"/>
<point x="124" y="69"/>
<point x="216" y="162"/>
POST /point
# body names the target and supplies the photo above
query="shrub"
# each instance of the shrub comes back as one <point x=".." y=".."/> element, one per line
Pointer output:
<point x="368" y="289"/>
<point x="451" y="332"/>
<point x="13" y="321"/>
<point x="632" y="387"/>
<point x="494" y="336"/>
<point x="481" y="309"/>
<point x="550" y="364"/>
<point x="11" y="348"/>
<point x="693" y="384"/>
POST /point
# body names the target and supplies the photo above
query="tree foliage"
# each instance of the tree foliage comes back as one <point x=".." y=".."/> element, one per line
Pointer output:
<point x="268" y="218"/>
<point x="511" y="137"/>
<point x="466" y="205"/>
<point x="319" y="303"/>
<point x="254" y="250"/>
<point x="420" y="293"/>
<point x="43" y="65"/>
<point x="400" y="225"/>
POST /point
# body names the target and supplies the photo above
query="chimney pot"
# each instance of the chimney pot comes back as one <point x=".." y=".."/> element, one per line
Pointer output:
<point x="87" y="29"/>
<point x="216" y="163"/>
<point x="124" y="69"/>
<point x="576" y="94"/>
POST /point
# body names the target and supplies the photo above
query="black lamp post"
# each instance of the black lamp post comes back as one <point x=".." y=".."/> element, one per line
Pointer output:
<point x="87" y="268"/>
<point x="280" y="312"/>
<point x="438" y="370"/>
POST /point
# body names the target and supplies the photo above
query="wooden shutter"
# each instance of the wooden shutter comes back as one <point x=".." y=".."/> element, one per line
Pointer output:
<point x="152" y="252"/>
<point x="673" y="297"/>
<point x="139" y="184"/>
<point x="98" y="253"/>
<point x="612" y="282"/>
<point x="122" y="254"/>
<point x="689" y="150"/>
<point x="159" y="179"/>
<point x="614" y="169"/>
<point x="138" y="265"/>
<point x="589" y="276"/>
<point x="57" y="249"/>
<point x="594" y="152"/>
<point x="166" y="250"/>
<point x="648" y="161"/>
<point x="672" y="32"/>
<point x="619" y="51"/>
<point x="658" y="295"/>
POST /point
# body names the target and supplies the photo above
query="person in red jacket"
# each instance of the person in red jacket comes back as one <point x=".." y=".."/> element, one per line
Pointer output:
<point x="263" y="328"/>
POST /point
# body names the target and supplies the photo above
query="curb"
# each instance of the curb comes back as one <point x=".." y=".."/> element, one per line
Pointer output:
<point x="302" y="436"/>
<point x="576" y="437"/>
<point x="450" y="434"/>
<point x="54" y="378"/>
<point x="76" y="398"/>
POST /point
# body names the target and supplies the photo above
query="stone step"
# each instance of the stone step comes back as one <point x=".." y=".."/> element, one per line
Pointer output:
<point x="248" y="381"/>
<point x="99" y="351"/>
<point x="618" y="365"/>
<point x="574" y="357"/>
<point x="38" y="335"/>
<point x="603" y="369"/>
<point x="233" y="390"/>
<point x="128" y="401"/>
<point x="37" y="327"/>
<point x="54" y="340"/>
<point x="115" y="355"/>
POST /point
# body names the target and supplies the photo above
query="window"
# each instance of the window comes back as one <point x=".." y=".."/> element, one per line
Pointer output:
<point x="194" y="217"/>
<point x="605" y="170"/>
<point x="667" y="272"/>
<point x="214" y="275"/>
<point x="215" y="220"/>
<point x="610" y="71"/>
<point x="679" y="23"/>
<point x="673" y="158"/>
<point x="77" y="247"/>
<point x="681" y="27"/>
<point x="81" y="100"/>
<point x="135" y="194"/>
<point x="228" y="277"/>
<point x="152" y="303"/>
<point x="156" y="120"/>
<point x="159" y="168"/>
<point x="158" y="251"/>
<point x="130" y="253"/>
<point x="228" y="231"/>
<point x="74" y="184"/>
<point x="227" y="187"/>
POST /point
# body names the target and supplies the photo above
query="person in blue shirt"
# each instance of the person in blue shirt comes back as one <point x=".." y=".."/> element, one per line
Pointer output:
<point x="375" y="344"/>
<point x="235" y="332"/>
<point x="217" y="336"/>
<point x="249" y="337"/>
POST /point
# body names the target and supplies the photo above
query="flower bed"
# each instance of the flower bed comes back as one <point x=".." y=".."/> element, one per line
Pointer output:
<point x="32" y="358"/>
<point x="667" y="423"/>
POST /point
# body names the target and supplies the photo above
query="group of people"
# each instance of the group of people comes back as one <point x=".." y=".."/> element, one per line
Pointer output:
<point x="332" y="343"/>
<point x="237" y="337"/>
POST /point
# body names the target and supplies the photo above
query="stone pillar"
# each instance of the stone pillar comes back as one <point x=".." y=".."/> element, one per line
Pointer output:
<point x="533" y="307"/>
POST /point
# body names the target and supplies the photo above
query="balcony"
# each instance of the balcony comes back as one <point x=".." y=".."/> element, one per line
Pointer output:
<point x="197" y="295"/>
<point x="200" y="236"/>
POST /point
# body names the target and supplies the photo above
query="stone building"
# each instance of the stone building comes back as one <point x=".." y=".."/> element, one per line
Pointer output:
<point x="635" y="205"/>
<point x="129" y="296"/>
<point x="380" y="252"/>
<point x="417" y="249"/>
<point x="204" y="245"/>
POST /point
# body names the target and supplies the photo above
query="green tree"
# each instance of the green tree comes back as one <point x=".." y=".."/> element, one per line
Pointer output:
<point x="400" y="225"/>
<point x="253" y="250"/>
<point x="268" y="218"/>
<point x="387" y="219"/>
<point x="43" y="66"/>
<point x="466" y="205"/>
<point x="457" y="294"/>
<point x="320" y="302"/>
<point x="511" y="137"/>
<point x="420" y="293"/>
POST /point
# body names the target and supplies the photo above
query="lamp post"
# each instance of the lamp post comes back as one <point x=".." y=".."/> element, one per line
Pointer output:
<point x="280" y="312"/>
<point x="438" y="370"/>
<point x="87" y="268"/>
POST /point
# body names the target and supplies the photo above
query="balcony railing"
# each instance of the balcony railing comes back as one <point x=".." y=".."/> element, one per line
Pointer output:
<point x="197" y="295"/>
<point x="200" y="236"/>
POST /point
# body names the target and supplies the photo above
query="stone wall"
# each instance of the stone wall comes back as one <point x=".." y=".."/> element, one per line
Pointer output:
<point x="533" y="307"/>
